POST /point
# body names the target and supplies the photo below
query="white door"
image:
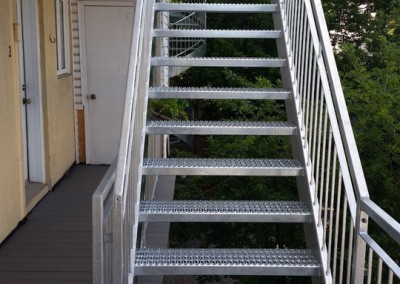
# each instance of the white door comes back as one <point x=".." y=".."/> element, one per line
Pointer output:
<point x="105" y="45"/>
<point x="30" y="94"/>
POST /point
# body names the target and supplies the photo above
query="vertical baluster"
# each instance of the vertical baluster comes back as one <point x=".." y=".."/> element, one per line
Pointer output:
<point x="342" y="245"/>
<point x="337" y="222"/>
<point x="322" y="173"/>
<point x="300" y="55"/>
<point x="312" y="88"/>
<point x="290" y="26"/>
<point x="350" y="255"/>
<point x="370" y="257"/>
<point x="379" y="271"/>
<point x="390" y="277"/>
<point x="327" y="182"/>
<point x="295" y="43"/>
<point x="332" y="204"/>
<point x="319" y="143"/>
<point x="317" y="104"/>
<point x="307" y="84"/>
<point x="302" y="60"/>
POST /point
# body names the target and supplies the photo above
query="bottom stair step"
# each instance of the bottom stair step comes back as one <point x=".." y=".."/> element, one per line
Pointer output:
<point x="278" y="262"/>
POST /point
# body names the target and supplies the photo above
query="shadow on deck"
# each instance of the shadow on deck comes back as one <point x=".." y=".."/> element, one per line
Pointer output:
<point x="55" y="243"/>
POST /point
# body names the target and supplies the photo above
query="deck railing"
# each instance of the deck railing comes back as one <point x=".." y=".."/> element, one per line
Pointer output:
<point x="336" y="182"/>
<point x="102" y="228"/>
<point x="128" y="181"/>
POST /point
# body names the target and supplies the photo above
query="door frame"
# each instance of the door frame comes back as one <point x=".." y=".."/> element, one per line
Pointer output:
<point x="83" y="60"/>
<point x="33" y="134"/>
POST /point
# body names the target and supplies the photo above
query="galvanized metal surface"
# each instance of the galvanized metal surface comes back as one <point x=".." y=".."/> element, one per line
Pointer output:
<point x="220" y="127"/>
<point x="330" y="167"/>
<point x="224" y="211"/>
<point x="102" y="227"/>
<point x="128" y="181"/>
<point x="221" y="167"/>
<point x="217" y="8"/>
<point x="226" y="262"/>
<point x="193" y="33"/>
<point x="218" y="62"/>
<point x="217" y="93"/>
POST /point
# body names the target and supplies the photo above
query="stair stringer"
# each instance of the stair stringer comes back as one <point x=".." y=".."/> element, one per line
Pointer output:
<point x="305" y="184"/>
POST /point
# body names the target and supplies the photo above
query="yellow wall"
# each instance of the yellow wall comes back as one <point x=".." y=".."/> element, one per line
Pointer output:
<point x="12" y="198"/>
<point x="58" y="104"/>
<point x="58" y="114"/>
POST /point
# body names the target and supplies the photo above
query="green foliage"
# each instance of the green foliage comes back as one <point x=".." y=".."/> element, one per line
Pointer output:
<point x="373" y="97"/>
<point x="174" y="109"/>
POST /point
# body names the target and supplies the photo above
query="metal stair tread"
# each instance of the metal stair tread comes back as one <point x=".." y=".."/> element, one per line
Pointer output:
<point x="217" y="93"/>
<point x="220" y="127"/>
<point x="218" y="61"/>
<point x="217" y="33"/>
<point x="219" y="8"/>
<point x="223" y="211"/>
<point x="219" y="167"/>
<point x="301" y="262"/>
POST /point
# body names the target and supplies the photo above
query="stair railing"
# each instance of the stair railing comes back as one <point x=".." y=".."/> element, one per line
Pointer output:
<point x="189" y="47"/>
<point x="340" y="200"/>
<point x="128" y="181"/>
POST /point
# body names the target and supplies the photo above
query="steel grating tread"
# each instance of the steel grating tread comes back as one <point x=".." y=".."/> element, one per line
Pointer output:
<point x="222" y="167"/>
<point x="217" y="93"/>
<point x="224" y="211"/>
<point x="221" y="163"/>
<point x="217" y="33"/>
<point x="218" y="61"/>
<point x="225" y="262"/>
<point x="221" y="127"/>
<point x="217" y="206"/>
<point x="207" y="123"/>
<point x="220" y="8"/>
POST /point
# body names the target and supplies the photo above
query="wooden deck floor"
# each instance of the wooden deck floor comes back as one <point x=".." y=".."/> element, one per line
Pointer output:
<point x="55" y="244"/>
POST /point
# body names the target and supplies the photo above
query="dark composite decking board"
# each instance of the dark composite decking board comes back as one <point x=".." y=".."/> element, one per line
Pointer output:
<point x="55" y="244"/>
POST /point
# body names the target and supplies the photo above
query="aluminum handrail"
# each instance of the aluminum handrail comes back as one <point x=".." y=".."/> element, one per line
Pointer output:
<point x="102" y="225"/>
<point x="342" y="114"/>
<point x="330" y="151"/>
<point x="128" y="179"/>
<point x="389" y="225"/>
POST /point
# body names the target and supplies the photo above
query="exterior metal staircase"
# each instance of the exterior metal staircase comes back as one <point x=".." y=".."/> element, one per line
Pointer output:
<point x="222" y="261"/>
<point x="333" y="205"/>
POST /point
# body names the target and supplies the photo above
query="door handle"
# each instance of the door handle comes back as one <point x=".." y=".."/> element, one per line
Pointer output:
<point x="26" y="101"/>
<point x="92" y="97"/>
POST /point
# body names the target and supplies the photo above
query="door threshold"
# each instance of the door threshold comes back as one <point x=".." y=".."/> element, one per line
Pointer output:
<point x="34" y="192"/>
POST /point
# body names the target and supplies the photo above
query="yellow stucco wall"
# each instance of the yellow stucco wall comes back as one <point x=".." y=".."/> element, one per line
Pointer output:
<point x="58" y="104"/>
<point x="58" y="114"/>
<point x="12" y="198"/>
